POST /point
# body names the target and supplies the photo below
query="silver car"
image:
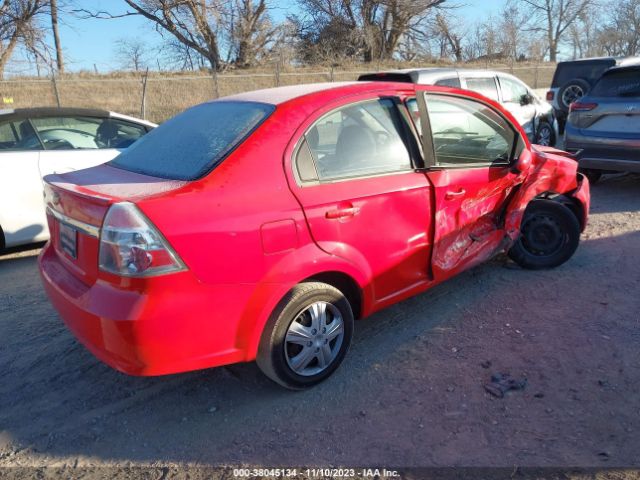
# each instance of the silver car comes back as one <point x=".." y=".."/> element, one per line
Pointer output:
<point x="534" y="114"/>
<point x="603" y="127"/>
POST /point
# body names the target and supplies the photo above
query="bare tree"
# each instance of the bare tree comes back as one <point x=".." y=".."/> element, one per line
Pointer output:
<point x="132" y="53"/>
<point x="451" y="41"/>
<point x="18" y="24"/>
<point x="556" y="16"/>
<point x="376" y="26"/>
<point x="194" y="23"/>
<point x="250" y="31"/>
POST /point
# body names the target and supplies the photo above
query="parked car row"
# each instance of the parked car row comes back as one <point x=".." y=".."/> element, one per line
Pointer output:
<point x="362" y="194"/>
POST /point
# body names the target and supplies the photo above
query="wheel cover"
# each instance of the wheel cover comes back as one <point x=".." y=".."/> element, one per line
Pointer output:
<point x="544" y="136"/>
<point x="314" y="338"/>
<point x="571" y="94"/>
<point x="542" y="235"/>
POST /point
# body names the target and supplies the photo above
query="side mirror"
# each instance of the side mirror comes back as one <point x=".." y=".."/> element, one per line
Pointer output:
<point x="522" y="163"/>
<point x="526" y="99"/>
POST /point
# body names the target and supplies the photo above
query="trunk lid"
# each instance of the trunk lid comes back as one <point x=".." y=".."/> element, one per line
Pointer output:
<point x="77" y="203"/>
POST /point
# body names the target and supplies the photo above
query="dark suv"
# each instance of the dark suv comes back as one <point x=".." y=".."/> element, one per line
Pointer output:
<point x="574" y="79"/>
<point x="603" y="128"/>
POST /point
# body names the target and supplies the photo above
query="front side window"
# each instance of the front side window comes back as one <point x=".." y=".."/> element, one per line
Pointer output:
<point x="192" y="143"/>
<point x="76" y="132"/>
<point x="466" y="132"/>
<point x="512" y="90"/>
<point x="485" y="86"/>
<point x="357" y="140"/>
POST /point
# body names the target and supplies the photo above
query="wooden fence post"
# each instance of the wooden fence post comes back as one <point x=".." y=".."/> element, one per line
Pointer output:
<point x="143" y="105"/>
<point x="55" y="89"/>
<point x="277" y="74"/>
<point x="216" y="87"/>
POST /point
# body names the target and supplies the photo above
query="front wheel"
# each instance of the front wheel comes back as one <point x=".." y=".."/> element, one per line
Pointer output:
<point x="307" y="336"/>
<point x="549" y="236"/>
<point x="545" y="135"/>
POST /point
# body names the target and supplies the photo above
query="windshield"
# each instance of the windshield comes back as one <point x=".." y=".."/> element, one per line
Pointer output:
<point x="625" y="83"/>
<point x="192" y="143"/>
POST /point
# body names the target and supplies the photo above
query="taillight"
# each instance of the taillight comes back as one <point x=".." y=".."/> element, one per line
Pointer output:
<point x="130" y="246"/>
<point x="582" y="107"/>
<point x="550" y="96"/>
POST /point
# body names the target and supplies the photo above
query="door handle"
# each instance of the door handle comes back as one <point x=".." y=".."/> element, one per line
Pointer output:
<point x="342" y="213"/>
<point x="452" y="195"/>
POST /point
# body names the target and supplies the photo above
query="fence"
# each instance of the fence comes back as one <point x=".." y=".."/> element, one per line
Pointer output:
<point x="158" y="96"/>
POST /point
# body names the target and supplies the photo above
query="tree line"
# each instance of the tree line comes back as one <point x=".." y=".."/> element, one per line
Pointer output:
<point x="222" y="34"/>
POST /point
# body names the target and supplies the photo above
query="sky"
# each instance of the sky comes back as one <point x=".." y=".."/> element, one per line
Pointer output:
<point x="90" y="43"/>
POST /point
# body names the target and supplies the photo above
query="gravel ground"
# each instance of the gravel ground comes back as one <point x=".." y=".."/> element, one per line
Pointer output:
<point x="410" y="393"/>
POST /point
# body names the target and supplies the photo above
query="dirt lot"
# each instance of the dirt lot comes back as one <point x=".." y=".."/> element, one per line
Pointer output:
<point x="411" y="392"/>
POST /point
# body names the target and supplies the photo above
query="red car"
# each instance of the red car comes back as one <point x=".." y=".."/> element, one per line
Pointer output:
<point x="259" y="226"/>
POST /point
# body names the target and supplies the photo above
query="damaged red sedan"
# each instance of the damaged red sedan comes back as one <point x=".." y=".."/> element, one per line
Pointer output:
<point x="259" y="226"/>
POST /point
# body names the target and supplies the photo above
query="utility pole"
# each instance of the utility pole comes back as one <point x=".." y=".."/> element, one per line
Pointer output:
<point x="56" y="35"/>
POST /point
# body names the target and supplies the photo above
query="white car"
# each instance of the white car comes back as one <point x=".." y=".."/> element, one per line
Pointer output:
<point x="35" y="142"/>
<point x="534" y="114"/>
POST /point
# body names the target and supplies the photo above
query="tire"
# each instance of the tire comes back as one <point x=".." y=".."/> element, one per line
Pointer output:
<point x="549" y="236"/>
<point x="298" y="349"/>
<point x="545" y="135"/>
<point x="571" y="91"/>
<point x="592" y="175"/>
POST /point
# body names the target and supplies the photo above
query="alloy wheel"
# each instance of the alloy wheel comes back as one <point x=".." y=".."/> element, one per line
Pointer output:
<point x="314" y="338"/>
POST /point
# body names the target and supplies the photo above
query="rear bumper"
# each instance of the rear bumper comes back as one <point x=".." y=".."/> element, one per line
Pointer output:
<point x="602" y="153"/>
<point x="172" y="324"/>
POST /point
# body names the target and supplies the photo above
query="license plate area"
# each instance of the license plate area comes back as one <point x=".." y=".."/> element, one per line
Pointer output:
<point x="68" y="240"/>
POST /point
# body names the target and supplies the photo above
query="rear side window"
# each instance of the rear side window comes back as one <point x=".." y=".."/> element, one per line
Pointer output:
<point x="449" y="82"/>
<point x="485" y="86"/>
<point x="195" y="141"/>
<point x="589" y="71"/>
<point x="358" y="140"/>
<point x="619" y="84"/>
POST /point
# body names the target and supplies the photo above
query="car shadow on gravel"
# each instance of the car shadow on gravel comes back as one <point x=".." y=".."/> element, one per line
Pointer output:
<point x="409" y="393"/>
<point x="616" y="193"/>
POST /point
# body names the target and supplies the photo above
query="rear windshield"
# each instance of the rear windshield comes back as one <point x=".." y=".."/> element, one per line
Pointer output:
<point x="589" y="71"/>
<point x="619" y="84"/>
<point x="192" y="143"/>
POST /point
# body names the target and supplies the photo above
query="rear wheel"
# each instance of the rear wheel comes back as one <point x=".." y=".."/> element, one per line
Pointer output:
<point x="549" y="236"/>
<point x="307" y="336"/>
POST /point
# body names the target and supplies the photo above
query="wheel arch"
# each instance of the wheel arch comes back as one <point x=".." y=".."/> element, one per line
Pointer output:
<point x="346" y="284"/>
<point x="572" y="203"/>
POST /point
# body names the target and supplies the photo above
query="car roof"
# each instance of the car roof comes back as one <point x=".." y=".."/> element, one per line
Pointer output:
<point x="43" y="112"/>
<point x="621" y="61"/>
<point x="280" y="95"/>
<point x="431" y="74"/>
<point x="622" y="68"/>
